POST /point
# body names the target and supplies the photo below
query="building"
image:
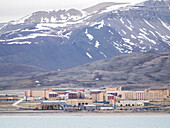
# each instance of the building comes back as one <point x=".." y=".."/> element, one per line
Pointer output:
<point x="164" y="91"/>
<point x="60" y="91"/>
<point x="4" y="97"/>
<point x="79" y="102"/>
<point x="142" y="95"/>
<point x="89" y="107"/>
<point x="37" y="94"/>
<point x="130" y="103"/>
<point x="132" y="95"/>
<point x="63" y="91"/>
<point x="53" y="105"/>
<point x="106" y="94"/>
<point x="53" y="94"/>
<point x="111" y="94"/>
<point x="75" y="95"/>
<point x="97" y="96"/>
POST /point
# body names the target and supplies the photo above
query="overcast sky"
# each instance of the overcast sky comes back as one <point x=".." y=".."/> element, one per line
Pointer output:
<point x="15" y="9"/>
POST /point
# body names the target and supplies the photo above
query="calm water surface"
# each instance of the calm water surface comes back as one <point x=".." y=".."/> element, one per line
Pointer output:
<point x="156" y="121"/>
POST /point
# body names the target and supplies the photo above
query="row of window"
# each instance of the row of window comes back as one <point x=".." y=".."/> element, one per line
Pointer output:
<point x="121" y="105"/>
<point x="82" y="104"/>
<point x="8" y="99"/>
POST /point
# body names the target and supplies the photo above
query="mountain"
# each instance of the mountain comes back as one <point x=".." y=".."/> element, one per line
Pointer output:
<point x="17" y="70"/>
<point x="132" y="71"/>
<point x="101" y="6"/>
<point x="66" y="38"/>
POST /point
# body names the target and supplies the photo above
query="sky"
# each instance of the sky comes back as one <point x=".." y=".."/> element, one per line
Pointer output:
<point x="16" y="9"/>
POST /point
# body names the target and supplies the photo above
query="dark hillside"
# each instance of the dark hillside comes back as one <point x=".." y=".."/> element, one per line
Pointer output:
<point x="132" y="71"/>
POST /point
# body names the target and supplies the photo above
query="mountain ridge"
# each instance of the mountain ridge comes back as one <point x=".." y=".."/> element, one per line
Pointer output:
<point x="68" y="43"/>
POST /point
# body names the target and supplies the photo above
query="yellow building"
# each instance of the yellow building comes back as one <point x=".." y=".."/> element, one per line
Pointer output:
<point x="37" y="94"/>
<point x="142" y="95"/>
<point x="97" y="95"/>
<point x="165" y="92"/>
<point x="130" y="103"/>
<point x="4" y="97"/>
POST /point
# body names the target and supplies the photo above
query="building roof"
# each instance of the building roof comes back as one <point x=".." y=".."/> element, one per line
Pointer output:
<point x="5" y="95"/>
<point x="160" y="89"/>
<point x="59" y="89"/>
<point x="134" y="101"/>
<point x="132" y="91"/>
<point x="113" y="91"/>
<point x="72" y="92"/>
<point x="96" y="91"/>
<point x="66" y="89"/>
<point x="90" y="105"/>
<point x="53" y="93"/>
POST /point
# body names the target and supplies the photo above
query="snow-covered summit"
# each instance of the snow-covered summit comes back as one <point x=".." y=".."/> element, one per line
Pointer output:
<point x="83" y="36"/>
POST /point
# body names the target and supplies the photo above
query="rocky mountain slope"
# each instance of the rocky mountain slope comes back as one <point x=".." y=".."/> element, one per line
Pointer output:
<point x="17" y="70"/>
<point x="62" y="39"/>
<point x="132" y="71"/>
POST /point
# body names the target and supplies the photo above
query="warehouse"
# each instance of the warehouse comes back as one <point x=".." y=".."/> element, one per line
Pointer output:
<point x="88" y="107"/>
<point x="4" y="97"/>
<point x="53" y="105"/>
<point x="130" y="103"/>
<point x="79" y="102"/>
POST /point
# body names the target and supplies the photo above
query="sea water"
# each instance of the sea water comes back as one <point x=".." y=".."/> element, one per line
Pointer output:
<point x="135" y="121"/>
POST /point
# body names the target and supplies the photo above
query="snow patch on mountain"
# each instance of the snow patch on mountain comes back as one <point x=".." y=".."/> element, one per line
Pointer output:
<point x="100" y="24"/>
<point x="149" y="24"/>
<point x="143" y="31"/>
<point x="24" y="42"/>
<point x="132" y="36"/>
<point x="152" y="33"/>
<point x="31" y="36"/>
<point x="89" y="55"/>
<point x="164" y="24"/>
<point x="97" y="44"/>
<point x="90" y="37"/>
<point x="114" y="7"/>
<point x="124" y="32"/>
<point x="128" y="41"/>
<point x="142" y="36"/>
<point x="103" y="55"/>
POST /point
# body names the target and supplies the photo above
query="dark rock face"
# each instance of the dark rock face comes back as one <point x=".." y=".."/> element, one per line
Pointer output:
<point x="67" y="38"/>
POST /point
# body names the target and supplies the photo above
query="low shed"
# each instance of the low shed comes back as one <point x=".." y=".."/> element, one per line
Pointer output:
<point x="89" y="107"/>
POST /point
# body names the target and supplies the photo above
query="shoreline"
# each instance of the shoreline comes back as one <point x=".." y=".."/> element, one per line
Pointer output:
<point x="66" y="114"/>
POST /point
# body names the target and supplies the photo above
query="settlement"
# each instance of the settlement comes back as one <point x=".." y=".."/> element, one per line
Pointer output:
<point x="68" y="99"/>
